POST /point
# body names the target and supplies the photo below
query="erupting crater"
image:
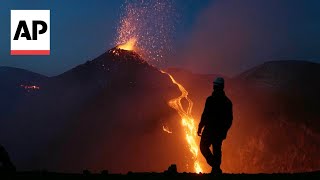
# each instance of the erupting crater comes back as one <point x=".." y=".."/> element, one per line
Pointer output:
<point x="129" y="46"/>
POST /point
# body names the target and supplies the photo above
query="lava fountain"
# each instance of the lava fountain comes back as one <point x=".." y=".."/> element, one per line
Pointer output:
<point x="129" y="46"/>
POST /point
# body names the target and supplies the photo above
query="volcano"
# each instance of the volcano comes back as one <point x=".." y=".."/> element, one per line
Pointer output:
<point x="105" y="113"/>
<point x="109" y="113"/>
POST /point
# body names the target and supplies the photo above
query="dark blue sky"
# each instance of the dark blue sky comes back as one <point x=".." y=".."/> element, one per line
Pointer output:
<point x="271" y="29"/>
<point x="80" y="31"/>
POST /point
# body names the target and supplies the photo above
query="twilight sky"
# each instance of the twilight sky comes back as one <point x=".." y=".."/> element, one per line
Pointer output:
<point x="212" y="36"/>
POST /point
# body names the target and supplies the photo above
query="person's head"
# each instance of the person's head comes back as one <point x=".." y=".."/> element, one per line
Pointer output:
<point x="218" y="84"/>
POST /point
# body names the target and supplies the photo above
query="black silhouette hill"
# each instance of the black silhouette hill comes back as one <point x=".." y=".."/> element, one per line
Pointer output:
<point x="284" y="74"/>
<point x="82" y="117"/>
<point x="11" y="74"/>
<point x="292" y="87"/>
<point x="11" y="82"/>
<point x="283" y="97"/>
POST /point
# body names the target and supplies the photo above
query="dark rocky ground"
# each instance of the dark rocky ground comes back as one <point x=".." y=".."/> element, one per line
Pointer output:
<point x="154" y="175"/>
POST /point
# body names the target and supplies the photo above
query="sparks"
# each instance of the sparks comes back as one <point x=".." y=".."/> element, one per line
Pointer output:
<point x="166" y="129"/>
<point x="152" y="24"/>
<point x="187" y="121"/>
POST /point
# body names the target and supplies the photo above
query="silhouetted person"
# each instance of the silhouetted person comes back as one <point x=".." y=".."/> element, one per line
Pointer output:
<point x="216" y="120"/>
<point x="5" y="162"/>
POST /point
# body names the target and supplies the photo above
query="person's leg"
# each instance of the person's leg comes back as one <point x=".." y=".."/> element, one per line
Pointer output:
<point x="217" y="155"/>
<point x="205" y="144"/>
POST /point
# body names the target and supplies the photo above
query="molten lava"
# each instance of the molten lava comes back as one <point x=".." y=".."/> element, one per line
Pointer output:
<point x="187" y="121"/>
<point x="129" y="46"/>
<point x="166" y="129"/>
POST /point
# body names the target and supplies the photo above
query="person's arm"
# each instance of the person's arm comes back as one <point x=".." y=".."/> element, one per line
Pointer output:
<point x="204" y="117"/>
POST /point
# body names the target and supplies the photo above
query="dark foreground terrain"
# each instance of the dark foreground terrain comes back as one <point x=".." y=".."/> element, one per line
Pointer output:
<point x="153" y="175"/>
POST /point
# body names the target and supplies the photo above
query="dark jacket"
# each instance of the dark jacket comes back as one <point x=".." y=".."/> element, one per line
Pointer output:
<point x="217" y="115"/>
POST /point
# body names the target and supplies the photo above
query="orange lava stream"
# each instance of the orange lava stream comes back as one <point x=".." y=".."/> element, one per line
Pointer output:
<point x="187" y="121"/>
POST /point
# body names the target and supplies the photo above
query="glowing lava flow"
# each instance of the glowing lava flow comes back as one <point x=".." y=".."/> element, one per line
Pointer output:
<point x="186" y="117"/>
<point x="187" y="121"/>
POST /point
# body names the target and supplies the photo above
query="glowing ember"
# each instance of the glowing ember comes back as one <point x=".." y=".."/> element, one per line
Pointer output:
<point x="28" y="87"/>
<point x="166" y="129"/>
<point x="187" y="121"/>
<point x="152" y="23"/>
<point x="129" y="46"/>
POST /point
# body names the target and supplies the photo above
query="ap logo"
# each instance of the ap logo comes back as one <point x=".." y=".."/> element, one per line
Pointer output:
<point x="30" y="32"/>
